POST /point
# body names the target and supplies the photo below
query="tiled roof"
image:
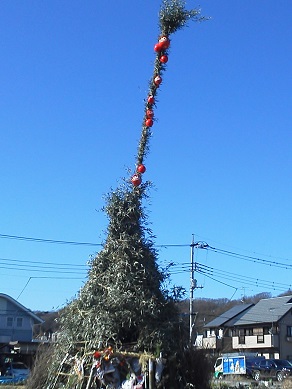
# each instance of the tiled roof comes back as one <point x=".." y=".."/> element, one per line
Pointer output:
<point x="266" y="311"/>
<point x="228" y="315"/>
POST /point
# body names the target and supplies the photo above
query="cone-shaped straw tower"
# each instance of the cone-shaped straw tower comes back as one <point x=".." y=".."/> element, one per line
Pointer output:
<point x="122" y="307"/>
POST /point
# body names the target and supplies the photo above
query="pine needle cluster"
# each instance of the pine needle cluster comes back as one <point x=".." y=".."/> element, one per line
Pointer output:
<point x="173" y="16"/>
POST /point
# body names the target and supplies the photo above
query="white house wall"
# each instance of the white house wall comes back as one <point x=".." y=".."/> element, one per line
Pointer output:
<point x="270" y="341"/>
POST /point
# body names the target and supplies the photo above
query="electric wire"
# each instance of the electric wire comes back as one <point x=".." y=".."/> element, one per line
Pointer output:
<point x="218" y="275"/>
<point x="19" y="262"/>
<point x="204" y="268"/>
<point x="75" y="243"/>
<point x="172" y="268"/>
<point x="58" y="271"/>
<point x="251" y="258"/>
<point x="40" y="240"/>
<point x="266" y="284"/>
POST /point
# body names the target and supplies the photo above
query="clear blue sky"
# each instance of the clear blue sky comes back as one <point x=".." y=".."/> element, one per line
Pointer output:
<point x="74" y="76"/>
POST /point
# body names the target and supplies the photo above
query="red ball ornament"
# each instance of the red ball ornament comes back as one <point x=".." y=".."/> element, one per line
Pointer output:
<point x="157" y="80"/>
<point x="141" y="169"/>
<point x="149" y="122"/>
<point x="163" y="59"/>
<point x="136" y="179"/>
<point x="149" y="114"/>
<point x="151" y="99"/>
<point x="157" y="47"/>
<point x="164" y="42"/>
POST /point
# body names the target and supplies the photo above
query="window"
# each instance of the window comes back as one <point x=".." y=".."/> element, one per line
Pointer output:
<point x="19" y="322"/>
<point x="289" y="330"/>
<point x="241" y="336"/>
<point x="266" y="330"/>
<point x="241" y="339"/>
<point x="9" y="321"/>
<point x="259" y="332"/>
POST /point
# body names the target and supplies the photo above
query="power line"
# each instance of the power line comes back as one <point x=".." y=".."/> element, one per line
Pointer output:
<point x="30" y="278"/>
<point x="173" y="269"/>
<point x="208" y="269"/>
<point x="40" y="240"/>
<point x="75" y="243"/>
<point x="218" y="275"/>
<point x="250" y="258"/>
<point x="236" y="278"/>
<point x="200" y="245"/>
<point x="42" y="263"/>
<point x="58" y="271"/>
<point x="246" y="257"/>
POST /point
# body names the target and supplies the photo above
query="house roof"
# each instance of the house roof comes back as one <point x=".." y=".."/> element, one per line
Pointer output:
<point x="22" y="307"/>
<point x="227" y="316"/>
<point x="266" y="311"/>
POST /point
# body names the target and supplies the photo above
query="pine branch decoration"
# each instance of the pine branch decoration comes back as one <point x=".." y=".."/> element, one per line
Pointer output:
<point x="172" y="16"/>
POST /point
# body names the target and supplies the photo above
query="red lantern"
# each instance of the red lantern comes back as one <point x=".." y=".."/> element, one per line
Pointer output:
<point x="136" y="179"/>
<point x="163" y="58"/>
<point x="151" y="100"/>
<point x="149" y="122"/>
<point x="157" y="80"/>
<point x="97" y="354"/>
<point x="149" y="114"/>
<point x="141" y="169"/>
<point x="164" y="42"/>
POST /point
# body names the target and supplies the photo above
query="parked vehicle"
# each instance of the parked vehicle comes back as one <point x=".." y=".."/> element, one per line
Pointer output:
<point x="10" y="380"/>
<point x="16" y="370"/>
<point x="229" y="365"/>
<point x="251" y="364"/>
<point x="236" y="364"/>
<point x="278" y="369"/>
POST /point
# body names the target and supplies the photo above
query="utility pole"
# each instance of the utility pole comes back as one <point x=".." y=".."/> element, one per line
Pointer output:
<point x="193" y="284"/>
<point x="192" y="287"/>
